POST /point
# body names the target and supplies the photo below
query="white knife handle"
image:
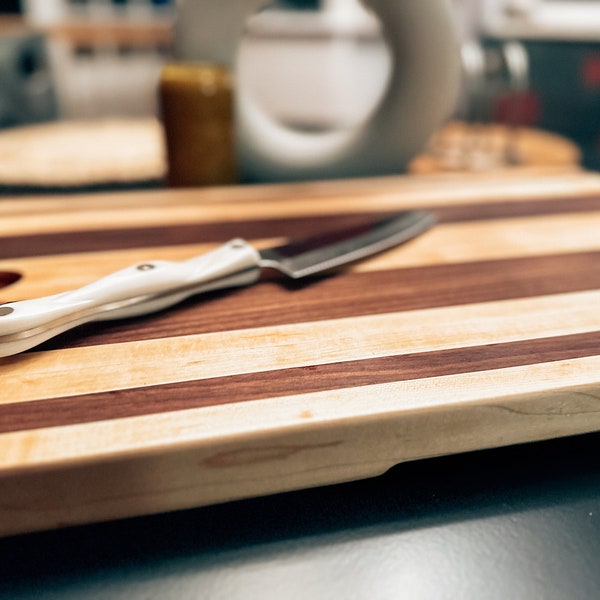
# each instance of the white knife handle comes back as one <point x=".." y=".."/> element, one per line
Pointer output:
<point x="137" y="290"/>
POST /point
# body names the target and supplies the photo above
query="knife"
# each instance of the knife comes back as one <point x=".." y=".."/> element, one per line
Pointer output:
<point x="151" y="286"/>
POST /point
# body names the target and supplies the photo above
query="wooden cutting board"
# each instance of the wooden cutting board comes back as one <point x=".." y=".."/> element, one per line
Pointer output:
<point x="483" y="332"/>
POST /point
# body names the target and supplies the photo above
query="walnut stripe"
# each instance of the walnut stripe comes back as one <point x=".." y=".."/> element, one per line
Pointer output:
<point x="91" y="369"/>
<point x="66" y="242"/>
<point x="503" y="406"/>
<point x="354" y="294"/>
<point x="445" y="243"/>
<point x="101" y="406"/>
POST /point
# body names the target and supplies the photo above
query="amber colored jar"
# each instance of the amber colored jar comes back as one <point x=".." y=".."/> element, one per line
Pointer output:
<point x="196" y="103"/>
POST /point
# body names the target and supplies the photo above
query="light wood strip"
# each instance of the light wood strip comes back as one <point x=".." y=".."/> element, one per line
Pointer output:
<point x="273" y="416"/>
<point x="491" y="240"/>
<point x="508" y="185"/>
<point x="170" y="207"/>
<point x="449" y="243"/>
<point x="91" y="369"/>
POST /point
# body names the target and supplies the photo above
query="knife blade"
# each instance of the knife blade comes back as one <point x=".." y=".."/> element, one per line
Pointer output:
<point x="155" y="285"/>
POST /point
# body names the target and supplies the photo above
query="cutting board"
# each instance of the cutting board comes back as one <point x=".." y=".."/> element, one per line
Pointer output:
<point x="483" y="332"/>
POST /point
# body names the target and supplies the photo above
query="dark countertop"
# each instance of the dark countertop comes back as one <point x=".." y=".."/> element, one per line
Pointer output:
<point x="519" y="522"/>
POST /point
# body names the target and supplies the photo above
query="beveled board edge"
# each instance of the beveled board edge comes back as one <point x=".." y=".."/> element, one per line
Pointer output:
<point x="301" y="441"/>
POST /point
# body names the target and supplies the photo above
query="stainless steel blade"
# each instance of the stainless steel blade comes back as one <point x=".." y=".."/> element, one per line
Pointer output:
<point x="334" y="249"/>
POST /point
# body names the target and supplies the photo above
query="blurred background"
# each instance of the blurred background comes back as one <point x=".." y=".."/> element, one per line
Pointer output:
<point x="531" y="71"/>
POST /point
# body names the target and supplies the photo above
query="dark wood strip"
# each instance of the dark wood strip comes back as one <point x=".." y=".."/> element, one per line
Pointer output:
<point x="88" y="408"/>
<point x="168" y="235"/>
<point x="172" y="235"/>
<point x="351" y="295"/>
<point x="8" y="278"/>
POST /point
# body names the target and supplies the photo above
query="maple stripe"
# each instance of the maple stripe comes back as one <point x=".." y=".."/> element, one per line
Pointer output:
<point x="170" y="208"/>
<point x="74" y="371"/>
<point x="119" y="404"/>
<point x="354" y="294"/>
<point x="530" y="181"/>
<point x="343" y="196"/>
<point x="191" y="231"/>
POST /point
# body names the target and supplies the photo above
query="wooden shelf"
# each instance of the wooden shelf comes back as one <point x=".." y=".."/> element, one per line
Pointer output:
<point x="156" y="32"/>
<point x="82" y="33"/>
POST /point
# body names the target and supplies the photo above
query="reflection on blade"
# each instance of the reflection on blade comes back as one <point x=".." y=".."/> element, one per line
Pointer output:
<point x="321" y="253"/>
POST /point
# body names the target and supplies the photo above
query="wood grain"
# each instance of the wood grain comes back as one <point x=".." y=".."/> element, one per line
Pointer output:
<point x="189" y="233"/>
<point x="100" y="406"/>
<point x="358" y="293"/>
<point x="446" y="244"/>
<point x="198" y="356"/>
<point x="484" y="331"/>
<point x="146" y="209"/>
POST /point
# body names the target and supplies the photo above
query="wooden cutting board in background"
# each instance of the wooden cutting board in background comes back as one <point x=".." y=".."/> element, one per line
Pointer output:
<point x="483" y="332"/>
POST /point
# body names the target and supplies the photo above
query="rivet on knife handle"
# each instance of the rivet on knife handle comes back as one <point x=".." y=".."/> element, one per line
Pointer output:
<point x="151" y="286"/>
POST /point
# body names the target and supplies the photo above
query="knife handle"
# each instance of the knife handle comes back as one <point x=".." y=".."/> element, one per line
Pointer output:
<point x="137" y="290"/>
